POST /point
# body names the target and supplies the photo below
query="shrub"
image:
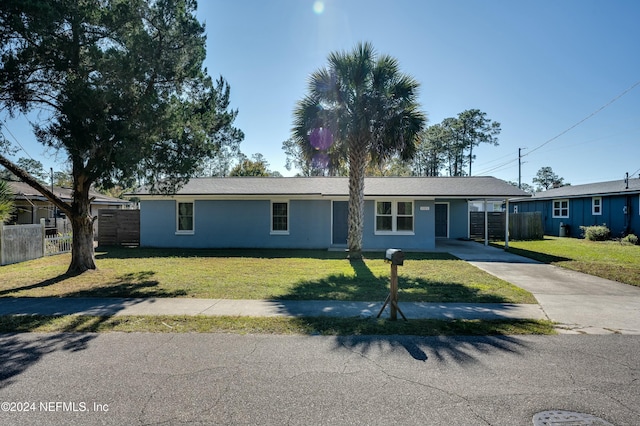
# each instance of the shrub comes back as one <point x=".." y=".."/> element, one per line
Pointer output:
<point x="596" y="233"/>
<point x="631" y="239"/>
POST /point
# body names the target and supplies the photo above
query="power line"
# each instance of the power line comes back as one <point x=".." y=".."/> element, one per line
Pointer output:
<point x="15" y="139"/>
<point x="586" y="118"/>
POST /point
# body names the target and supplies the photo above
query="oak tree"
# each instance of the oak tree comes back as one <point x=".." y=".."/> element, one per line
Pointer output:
<point x="122" y="92"/>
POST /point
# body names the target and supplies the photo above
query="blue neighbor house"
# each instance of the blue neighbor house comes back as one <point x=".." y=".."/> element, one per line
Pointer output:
<point x="311" y="212"/>
<point x="615" y="204"/>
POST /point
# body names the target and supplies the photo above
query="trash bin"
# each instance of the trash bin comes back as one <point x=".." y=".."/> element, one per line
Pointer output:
<point x="563" y="230"/>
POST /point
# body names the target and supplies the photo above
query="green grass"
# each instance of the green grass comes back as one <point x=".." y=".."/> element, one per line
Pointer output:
<point x="291" y="326"/>
<point x="607" y="259"/>
<point x="258" y="274"/>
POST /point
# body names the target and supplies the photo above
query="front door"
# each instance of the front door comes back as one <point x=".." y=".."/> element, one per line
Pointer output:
<point x="442" y="220"/>
<point x="340" y="224"/>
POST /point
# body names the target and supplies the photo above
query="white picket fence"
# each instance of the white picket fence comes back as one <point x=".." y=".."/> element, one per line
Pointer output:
<point x="57" y="244"/>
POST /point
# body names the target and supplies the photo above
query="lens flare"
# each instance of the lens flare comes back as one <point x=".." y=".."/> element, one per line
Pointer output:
<point x="318" y="7"/>
<point x="320" y="160"/>
<point x="321" y="139"/>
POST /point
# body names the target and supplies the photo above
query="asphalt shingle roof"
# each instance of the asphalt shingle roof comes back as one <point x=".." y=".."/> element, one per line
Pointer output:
<point x="456" y="187"/>
<point x="24" y="191"/>
<point x="591" y="189"/>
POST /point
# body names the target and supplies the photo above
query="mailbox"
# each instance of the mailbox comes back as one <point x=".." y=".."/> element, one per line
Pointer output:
<point x="395" y="256"/>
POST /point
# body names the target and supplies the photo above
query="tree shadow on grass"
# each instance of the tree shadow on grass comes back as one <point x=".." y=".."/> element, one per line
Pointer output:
<point x="132" y="284"/>
<point x="366" y="286"/>
<point x="41" y="284"/>
<point x="535" y="255"/>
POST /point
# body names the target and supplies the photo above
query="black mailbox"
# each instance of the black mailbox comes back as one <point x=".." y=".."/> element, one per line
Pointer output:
<point x="395" y="256"/>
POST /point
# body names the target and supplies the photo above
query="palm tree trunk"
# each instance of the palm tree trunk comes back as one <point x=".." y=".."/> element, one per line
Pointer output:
<point x="357" y="167"/>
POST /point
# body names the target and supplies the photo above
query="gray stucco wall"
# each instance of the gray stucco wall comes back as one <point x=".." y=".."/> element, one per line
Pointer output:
<point x="246" y="224"/>
<point x="235" y="223"/>
<point x="424" y="229"/>
<point x="458" y="219"/>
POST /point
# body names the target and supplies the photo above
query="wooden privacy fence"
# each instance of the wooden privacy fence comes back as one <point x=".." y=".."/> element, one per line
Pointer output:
<point x="496" y="225"/>
<point x="526" y="226"/>
<point x="19" y="243"/>
<point x="118" y="227"/>
<point x="522" y="226"/>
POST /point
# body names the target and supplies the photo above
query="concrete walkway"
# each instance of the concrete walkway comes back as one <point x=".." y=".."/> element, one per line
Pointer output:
<point x="259" y="308"/>
<point x="581" y="303"/>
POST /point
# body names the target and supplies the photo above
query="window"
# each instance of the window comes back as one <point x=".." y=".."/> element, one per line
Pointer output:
<point x="384" y="217"/>
<point x="394" y="216"/>
<point x="560" y="208"/>
<point x="596" y="206"/>
<point x="279" y="217"/>
<point x="515" y="209"/>
<point x="184" y="218"/>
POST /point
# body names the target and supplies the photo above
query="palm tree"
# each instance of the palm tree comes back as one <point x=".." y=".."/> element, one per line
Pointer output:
<point x="360" y="109"/>
<point x="6" y="201"/>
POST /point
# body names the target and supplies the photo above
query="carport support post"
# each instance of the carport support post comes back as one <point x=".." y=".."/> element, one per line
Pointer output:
<point x="486" y="224"/>
<point x="506" y="226"/>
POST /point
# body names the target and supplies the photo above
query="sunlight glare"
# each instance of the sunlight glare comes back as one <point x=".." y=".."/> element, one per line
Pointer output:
<point x="318" y="7"/>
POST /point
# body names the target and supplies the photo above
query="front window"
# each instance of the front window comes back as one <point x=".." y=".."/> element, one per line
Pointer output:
<point x="280" y="217"/>
<point x="596" y="206"/>
<point x="394" y="216"/>
<point x="384" y="217"/>
<point x="185" y="218"/>
<point x="560" y="208"/>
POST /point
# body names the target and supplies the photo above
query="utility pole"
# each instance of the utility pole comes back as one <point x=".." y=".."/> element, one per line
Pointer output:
<point x="520" y="167"/>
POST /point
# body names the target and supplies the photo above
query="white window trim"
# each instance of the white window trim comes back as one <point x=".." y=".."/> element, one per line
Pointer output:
<point x="593" y="206"/>
<point x="271" y="231"/>
<point x="394" y="217"/>
<point x="553" y="209"/>
<point x="185" y="232"/>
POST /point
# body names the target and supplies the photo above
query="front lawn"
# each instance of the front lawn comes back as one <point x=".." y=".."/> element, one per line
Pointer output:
<point x="607" y="259"/>
<point x="258" y="274"/>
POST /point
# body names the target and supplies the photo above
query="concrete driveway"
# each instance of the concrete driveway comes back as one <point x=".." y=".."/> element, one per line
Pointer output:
<point x="580" y="303"/>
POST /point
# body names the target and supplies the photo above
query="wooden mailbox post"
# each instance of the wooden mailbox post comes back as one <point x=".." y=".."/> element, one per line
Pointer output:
<point x="395" y="257"/>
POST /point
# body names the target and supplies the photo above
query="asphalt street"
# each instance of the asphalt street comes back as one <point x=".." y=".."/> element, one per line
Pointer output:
<point x="174" y="379"/>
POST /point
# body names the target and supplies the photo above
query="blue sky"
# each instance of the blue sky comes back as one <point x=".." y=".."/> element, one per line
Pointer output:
<point x="536" y="67"/>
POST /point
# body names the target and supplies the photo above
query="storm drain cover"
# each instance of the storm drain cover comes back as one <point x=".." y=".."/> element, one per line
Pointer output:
<point x="567" y="418"/>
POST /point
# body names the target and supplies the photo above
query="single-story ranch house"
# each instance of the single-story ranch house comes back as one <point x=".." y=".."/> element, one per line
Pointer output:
<point x="31" y="206"/>
<point x="615" y="204"/>
<point x="311" y="212"/>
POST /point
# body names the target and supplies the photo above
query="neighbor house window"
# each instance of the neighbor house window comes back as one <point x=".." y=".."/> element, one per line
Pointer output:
<point x="596" y="206"/>
<point x="394" y="216"/>
<point x="279" y="217"/>
<point x="560" y="208"/>
<point x="185" y="218"/>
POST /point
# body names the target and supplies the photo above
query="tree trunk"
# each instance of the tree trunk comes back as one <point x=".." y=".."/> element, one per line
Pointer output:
<point x="82" y="257"/>
<point x="357" y="167"/>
